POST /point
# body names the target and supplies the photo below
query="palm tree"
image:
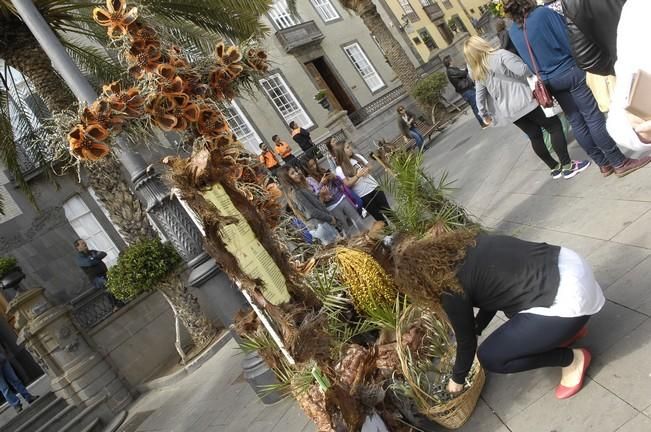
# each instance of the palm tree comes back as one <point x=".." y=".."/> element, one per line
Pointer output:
<point x="196" y="24"/>
<point x="396" y="56"/>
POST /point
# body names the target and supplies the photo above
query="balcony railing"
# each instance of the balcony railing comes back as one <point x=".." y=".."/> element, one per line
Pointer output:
<point x="91" y="308"/>
<point x="299" y="36"/>
<point x="433" y="11"/>
<point x="379" y="104"/>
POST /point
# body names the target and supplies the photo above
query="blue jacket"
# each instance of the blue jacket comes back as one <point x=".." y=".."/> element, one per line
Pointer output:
<point x="549" y="41"/>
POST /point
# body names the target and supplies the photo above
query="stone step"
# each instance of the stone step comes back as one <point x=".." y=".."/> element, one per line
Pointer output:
<point x="85" y="418"/>
<point x="94" y="426"/>
<point x="55" y="423"/>
<point x="28" y="413"/>
<point x="43" y="416"/>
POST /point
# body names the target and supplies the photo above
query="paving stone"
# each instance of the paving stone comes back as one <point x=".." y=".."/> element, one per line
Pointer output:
<point x="293" y="420"/>
<point x="609" y="326"/>
<point x="483" y="420"/>
<point x="593" y="409"/>
<point x="637" y="233"/>
<point x="625" y="369"/>
<point x="508" y="395"/>
<point x="611" y="261"/>
<point x="632" y="289"/>
<point x="640" y="423"/>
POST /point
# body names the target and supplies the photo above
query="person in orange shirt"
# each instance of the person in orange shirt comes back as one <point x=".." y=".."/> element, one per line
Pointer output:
<point x="285" y="151"/>
<point x="268" y="158"/>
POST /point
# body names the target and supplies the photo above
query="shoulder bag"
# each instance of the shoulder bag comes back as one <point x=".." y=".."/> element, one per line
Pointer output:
<point x="540" y="90"/>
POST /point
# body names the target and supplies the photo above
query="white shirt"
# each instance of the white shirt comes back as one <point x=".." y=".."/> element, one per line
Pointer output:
<point x="579" y="293"/>
<point x="633" y="36"/>
<point x="364" y="185"/>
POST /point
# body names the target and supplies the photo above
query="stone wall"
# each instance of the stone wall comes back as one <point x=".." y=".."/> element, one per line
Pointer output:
<point x="138" y="339"/>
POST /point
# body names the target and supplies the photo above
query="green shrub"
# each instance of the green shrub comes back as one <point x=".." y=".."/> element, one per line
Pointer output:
<point x="7" y="263"/>
<point x="141" y="268"/>
<point x="428" y="90"/>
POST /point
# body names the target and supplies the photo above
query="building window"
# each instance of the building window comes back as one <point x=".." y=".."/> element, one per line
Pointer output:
<point x="284" y="100"/>
<point x="426" y="2"/>
<point x="241" y="127"/>
<point x="409" y="11"/>
<point x="427" y="39"/>
<point x="447" y="4"/>
<point x="445" y="31"/>
<point x="364" y="66"/>
<point x="280" y="15"/>
<point x="87" y="228"/>
<point x="326" y="10"/>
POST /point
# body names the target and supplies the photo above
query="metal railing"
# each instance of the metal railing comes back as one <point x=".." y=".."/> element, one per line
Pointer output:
<point x="377" y="105"/>
<point x="91" y="308"/>
<point x="32" y="156"/>
<point x="303" y="34"/>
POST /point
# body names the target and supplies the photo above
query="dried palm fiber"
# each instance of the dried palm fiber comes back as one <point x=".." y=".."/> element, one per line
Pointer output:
<point x="312" y="339"/>
<point x="354" y="366"/>
<point x="246" y="322"/>
<point x="369" y="286"/>
<point x="313" y="403"/>
<point x="425" y="268"/>
<point x="339" y="402"/>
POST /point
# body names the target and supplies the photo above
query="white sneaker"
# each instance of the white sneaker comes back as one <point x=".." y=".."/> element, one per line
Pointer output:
<point x="364" y="213"/>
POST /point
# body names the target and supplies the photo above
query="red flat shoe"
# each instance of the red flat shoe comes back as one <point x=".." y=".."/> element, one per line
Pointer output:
<point x="563" y="392"/>
<point x="579" y="335"/>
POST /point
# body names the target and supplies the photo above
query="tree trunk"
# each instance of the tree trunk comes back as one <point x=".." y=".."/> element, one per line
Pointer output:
<point x="201" y="330"/>
<point x="26" y="56"/>
<point x="400" y="63"/>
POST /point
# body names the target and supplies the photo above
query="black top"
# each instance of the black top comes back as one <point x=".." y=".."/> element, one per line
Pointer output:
<point x="500" y="273"/>
<point x="303" y="139"/>
<point x="91" y="263"/>
<point x="459" y="79"/>
<point x="592" y="29"/>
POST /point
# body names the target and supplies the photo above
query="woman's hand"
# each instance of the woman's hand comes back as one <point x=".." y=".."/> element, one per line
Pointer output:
<point x="362" y="172"/>
<point x="453" y="387"/>
<point x="488" y="120"/>
<point x="641" y="127"/>
<point x="333" y="221"/>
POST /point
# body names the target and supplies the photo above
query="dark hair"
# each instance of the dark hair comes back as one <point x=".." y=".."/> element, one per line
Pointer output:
<point x="519" y="9"/>
<point x="447" y="61"/>
<point x="320" y="172"/>
<point x="76" y="243"/>
<point x="344" y="161"/>
<point x="400" y="107"/>
<point x="292" y="125"/>
<point x="500" y="25"/>
<point x="273" y="138"/>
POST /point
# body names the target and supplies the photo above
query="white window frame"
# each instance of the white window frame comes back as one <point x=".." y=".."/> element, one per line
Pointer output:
<point x="75" y="208"/>
<point x="242" y="127"/>
<point x="286" y="103"/>
<point x="427" y="2"/>
<point x="406" y="7"/>
<point x="326" y="10"/>
<point x="281" y="16"/>
<point x="364" y="66"/>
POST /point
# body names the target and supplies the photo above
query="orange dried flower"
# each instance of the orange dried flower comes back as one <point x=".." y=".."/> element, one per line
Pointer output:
<point x="173" y="112"/>
<point x="170" y="82"/>
<point x="143" y="57"/>
<point x="87" y="142"/>
<point x="115" y="17"/>
<point x="101" y="113"/>
<point x="129" y="102"/>
<point x="212" y="122"/>
<point x="257" y="59"/>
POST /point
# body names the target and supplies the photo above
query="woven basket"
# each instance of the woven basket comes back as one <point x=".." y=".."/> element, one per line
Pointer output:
<point x="455" y="413"/>
<point x="451" y="414"/>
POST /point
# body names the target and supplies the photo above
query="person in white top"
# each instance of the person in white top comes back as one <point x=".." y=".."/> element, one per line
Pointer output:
<point x="633" y="35"/>
<point x="353" y="169"/>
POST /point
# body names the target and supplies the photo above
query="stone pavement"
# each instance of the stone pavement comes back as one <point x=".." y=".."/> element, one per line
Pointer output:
<point x="509" y="190"/>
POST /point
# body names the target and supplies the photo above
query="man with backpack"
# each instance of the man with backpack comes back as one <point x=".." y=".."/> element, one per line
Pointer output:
<point x="463" y="85"/>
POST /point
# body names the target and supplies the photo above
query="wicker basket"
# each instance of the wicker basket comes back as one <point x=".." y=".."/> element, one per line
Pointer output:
<point x="455" y="413"/>
<point x="451" y="414"/>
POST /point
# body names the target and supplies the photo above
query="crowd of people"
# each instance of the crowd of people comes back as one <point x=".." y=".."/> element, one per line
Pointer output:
<point x="561" y="46"/>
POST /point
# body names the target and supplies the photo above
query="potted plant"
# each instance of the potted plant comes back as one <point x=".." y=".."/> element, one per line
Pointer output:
<point x="10" y="273"/>
<point x="322" y="98"/>
<point x="150" y="264"/>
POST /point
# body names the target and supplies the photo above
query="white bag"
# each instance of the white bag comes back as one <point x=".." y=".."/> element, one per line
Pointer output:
<point x="549" y="112"/>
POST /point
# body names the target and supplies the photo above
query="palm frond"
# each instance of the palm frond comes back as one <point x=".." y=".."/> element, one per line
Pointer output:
<point x="94" y="62"/>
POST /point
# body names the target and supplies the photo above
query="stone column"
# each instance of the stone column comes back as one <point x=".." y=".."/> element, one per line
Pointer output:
<point x="77" y="373"/>
<point x="165" y="210"/>
<point x="339" y="120"/>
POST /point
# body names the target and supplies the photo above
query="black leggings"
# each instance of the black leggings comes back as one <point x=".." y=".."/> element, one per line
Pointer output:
<point x="376" y="204"/>
<point x="529" y="341"/>
<point x="531" y="124"/>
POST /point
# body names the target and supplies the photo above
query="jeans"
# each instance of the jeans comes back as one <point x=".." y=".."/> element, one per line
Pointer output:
<point x="470" y="96"/>
<point x="347" y="216"/>
<point x="531" y="123"/>
<point x="8" y="377"/>
<point x="528" y="341"/>
<point x="588" y="123"/>
<point x="415" y="134"/>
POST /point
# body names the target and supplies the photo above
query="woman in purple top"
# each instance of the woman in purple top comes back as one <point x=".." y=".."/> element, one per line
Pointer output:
<point x="546" y="32"/>
<point x="330" y="190"/>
